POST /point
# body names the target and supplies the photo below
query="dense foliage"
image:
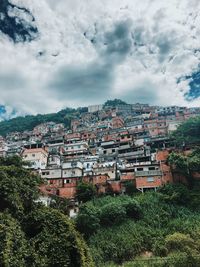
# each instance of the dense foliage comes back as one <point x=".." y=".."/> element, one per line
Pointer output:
<point x="85" y="191"/>
<point x="188" y="132"/>
<point x="187" y="165"/>
<point x="28" y="122"/>
<point x="30" y="233"/>
<point x="114" y="103"/>
<point x="164" y="225"/>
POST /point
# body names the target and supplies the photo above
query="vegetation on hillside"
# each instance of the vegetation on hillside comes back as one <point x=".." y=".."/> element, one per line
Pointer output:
<point x="114" y="103"/>
<point x="28" y="122"/>
<point x="186" y="165"/>
<point x="188" y="132"/>
<point x="164" y="225"/>
<point x="30" y="233"/>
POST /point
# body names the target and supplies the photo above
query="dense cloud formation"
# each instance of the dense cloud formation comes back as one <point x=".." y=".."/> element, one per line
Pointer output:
<point x="17" y="22"/>
<point x="73" y="53"/>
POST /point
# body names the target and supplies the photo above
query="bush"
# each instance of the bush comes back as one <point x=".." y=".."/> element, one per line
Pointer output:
<point x="85" y="192"/>
<point x="112" y="214"/>
<point x="88" y="221"/>
<point x="133" y="210"/>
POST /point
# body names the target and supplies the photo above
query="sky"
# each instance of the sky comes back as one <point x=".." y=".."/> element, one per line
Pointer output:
<point x="69" y="53"/>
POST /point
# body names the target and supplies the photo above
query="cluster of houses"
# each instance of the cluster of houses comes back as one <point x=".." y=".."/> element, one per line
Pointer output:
<point x="110" y="147"/>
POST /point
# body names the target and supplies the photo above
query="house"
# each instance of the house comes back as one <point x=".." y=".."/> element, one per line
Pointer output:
<point x="37" y="157"/>
<point x="148" y="177"/>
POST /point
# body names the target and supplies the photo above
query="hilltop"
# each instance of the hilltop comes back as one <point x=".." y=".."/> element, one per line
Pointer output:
<point x="28" y="122"/>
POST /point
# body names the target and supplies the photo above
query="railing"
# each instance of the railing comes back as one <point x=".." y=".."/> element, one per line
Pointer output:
<point x="148" y="173"/>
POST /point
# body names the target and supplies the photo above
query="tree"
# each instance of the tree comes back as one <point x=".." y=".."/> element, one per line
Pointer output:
<point x="130" y="188"/>
<point x="59" y="203"/>
<point x="14" y="247"/>
<point x="19" y="190"/>
<point x="186" y="165"/>
<point x="85" y="191"/>
<point x="180" y="163"/>
<point x="114" y="103"/>
<point x="133" y="209"/>
<point x="55" y="240"/>
<point x="181" y="243"/>
<point x="176" y="194"/>
<point x="88" y="221"/>
<point x="30" y="233"/>
<point x="112" y="213"/>
<point x="188" y="132"/>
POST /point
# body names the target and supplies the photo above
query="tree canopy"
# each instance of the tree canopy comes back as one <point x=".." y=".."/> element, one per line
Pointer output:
<point x="30" y="233"/>
<point x="188" y="132"/>
<point x="28" y="122"/>
<point x="114" y="103"/>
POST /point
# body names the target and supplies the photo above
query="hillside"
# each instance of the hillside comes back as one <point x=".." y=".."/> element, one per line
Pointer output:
<point x="28" y="122"/>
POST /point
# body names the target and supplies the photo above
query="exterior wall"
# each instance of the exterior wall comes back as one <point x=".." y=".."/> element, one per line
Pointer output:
<point x="54" y="183"/>
<point x="94" y="108"/>
<point x="72" y="172"/>
<point x="166" y="173"/>
<point x="51" y="173"/>
<point x="115" y="186"/>
<point x="127" y="176"/>
<point x="38" y="157"/>
<point x="70" y="182"/>
<point x="96" y="179"/>
<point x="143" y="182"/>
<point x="68" y="192"/>
<point x="110" y="172"/>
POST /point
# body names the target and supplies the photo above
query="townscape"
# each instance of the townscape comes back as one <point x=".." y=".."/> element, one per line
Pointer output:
<point x="108" y="145"/>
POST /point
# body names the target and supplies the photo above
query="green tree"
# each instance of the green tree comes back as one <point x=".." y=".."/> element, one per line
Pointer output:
<point x="54" y="238"/>
<point x="188" y="132"/>
<point x="88" y="221"/>
<point x="133" y="209"/>
<point x="60" y="204"/>
<point x="19" y="190"/>
<point x="181" y="164"/>
<point x="130" y="188"/>
<point x="114" y="103"/>
<point x="181" y="242"/>
<point x="85" y="191"/>
<point x="30" y="233"/>
<point x="14" y="247"/>
<point x="112" y="213"/>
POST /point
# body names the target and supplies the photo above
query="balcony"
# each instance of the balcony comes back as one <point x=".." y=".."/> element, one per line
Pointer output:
<point x="148" y="173"/>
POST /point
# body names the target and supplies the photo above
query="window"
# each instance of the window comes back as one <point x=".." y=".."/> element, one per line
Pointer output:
<point x="139" y="169"/>
<point x="33" y="155"/>
<point x="150" y="179"/>
<point x="151" y="168"/>
<point x="45" y="173"/>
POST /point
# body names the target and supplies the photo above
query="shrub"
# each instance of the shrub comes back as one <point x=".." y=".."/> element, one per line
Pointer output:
<point x="112" y="214"/>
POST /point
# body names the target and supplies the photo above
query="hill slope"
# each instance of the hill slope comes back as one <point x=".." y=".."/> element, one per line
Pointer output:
<point x="28" y="122"/>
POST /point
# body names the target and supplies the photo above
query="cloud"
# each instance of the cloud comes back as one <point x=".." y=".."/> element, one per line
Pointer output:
<point x="88" y="51"/>
<point x="17" y="22"/>
<point x="83" y="83"/>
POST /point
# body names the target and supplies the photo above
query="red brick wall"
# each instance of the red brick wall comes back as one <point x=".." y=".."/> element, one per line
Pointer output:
<point x="142" y="182"/>
<point x="69" y="192"/>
